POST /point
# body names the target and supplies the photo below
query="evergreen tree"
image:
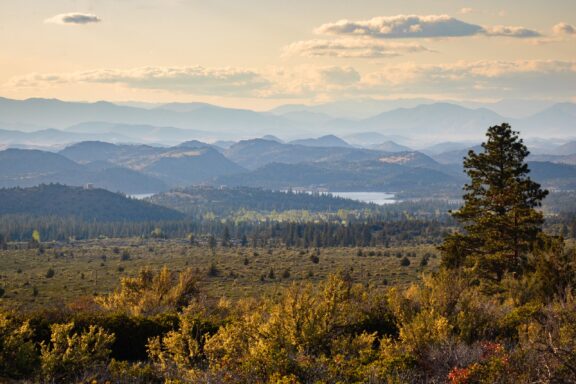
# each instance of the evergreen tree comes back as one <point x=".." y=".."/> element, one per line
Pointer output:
<point x="499" y="217"/>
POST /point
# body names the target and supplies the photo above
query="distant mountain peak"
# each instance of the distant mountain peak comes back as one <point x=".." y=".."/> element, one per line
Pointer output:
<point x="323" y="141"/>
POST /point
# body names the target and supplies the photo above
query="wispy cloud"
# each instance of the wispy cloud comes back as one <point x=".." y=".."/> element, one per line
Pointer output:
<point x="415" y="26"/>
<point x="73" y="18"/>
<point x="194" y="80"/>
<point x="462" y="79"/>
<point x="351" y="48"/>
<point x="549" y="78"/>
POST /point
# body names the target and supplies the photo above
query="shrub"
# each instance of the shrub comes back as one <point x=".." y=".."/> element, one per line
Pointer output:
<point x="18" y="356"/>
<point x="405" y="261"/>
<point x="69" y="354"/>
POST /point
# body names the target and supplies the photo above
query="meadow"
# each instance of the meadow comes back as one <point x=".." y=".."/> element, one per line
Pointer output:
<point x="57" y="274"/>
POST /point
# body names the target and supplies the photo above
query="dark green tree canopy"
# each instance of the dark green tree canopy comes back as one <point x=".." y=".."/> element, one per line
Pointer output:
<point x="499" y="216"/>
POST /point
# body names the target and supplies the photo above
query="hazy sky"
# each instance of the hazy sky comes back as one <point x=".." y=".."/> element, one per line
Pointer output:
<point x="261" y="53"/>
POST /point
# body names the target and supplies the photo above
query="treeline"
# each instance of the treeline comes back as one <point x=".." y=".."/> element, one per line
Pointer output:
<point x="360" y="232"/>
<point x="371" y="232"/>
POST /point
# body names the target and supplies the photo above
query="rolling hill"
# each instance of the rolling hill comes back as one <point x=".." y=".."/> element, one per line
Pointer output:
<point x="86" y="204"/>
<point x="256" y="153"/>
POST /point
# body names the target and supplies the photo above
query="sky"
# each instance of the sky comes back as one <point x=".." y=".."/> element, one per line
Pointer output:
<point x="262" y="53"/>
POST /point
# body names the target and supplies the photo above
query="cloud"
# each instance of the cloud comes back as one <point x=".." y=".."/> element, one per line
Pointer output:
<point x="193" y="80"/>
<point x="74" y="19"/>
<point x="339" y="75"/>
<point x="351" y="48"/>
<point x="510" y="31"/>
<point x="563" y="29"/>
<point x="458" y="80"/>
<point x="466" y="11"/>
<point x="479" y="78"/>
<point x="414" y="26"/>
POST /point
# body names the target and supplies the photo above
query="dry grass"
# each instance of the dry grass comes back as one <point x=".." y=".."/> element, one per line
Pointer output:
<point x="95" y="267"/>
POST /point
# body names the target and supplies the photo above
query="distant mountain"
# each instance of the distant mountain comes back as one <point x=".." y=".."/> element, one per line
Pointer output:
<point x="455" y="156"/>
<point x="183" y="168"/>
<point x="185" y="107"/>
<point x="352" y="109"/>
<point x="418" y="120"/>
<point x="28" y="164"/>
<point x="256" y="153"/>
<point x="27" y="168"/>
<point x="307" y="117"/>
<point x="446" y="146"/>
<point x="139" y="133"/>
<point x="411" y="159"/>
<point x="220" y="122"/>
<point x="324" y="141"/>
<point x="566" y="149"/>
<point x="369" y="139"/>
<point x="87" y="204"/>
<point x="120" y="154"/>
<point x="427" y="122"/>
<point x="552" y="175"/>
<point x="188" y="163"/>
<point x="557" y="120"/>
<point x="562" y="159"/>
<point x="390" y="146"/>
<point x="54" y="137"/>
<point x="346" y="176"/>
<point x="194" y="144"/>
<point x="224" y="144"/>
<point x="272" y="138"/>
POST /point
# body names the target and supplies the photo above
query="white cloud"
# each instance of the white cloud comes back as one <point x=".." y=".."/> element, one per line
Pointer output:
<point x="563" y="29"/>
<point x="73" y="18"/>
<point x="351" y="48"/>
<point x="466" y="11"/>
<point x="415" y="26"/>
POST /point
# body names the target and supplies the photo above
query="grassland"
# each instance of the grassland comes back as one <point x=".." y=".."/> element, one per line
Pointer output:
<point x="95" y="267"/>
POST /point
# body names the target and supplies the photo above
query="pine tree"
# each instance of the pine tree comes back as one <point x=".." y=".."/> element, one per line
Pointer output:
<point x="499" y="216"/>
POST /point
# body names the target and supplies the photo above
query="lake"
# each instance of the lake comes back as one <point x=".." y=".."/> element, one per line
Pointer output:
<point x="380" y="198"/>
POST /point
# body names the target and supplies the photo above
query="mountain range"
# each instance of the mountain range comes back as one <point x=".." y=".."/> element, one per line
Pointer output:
<point x="408" y="124"/>
<point x="140" y="169"/>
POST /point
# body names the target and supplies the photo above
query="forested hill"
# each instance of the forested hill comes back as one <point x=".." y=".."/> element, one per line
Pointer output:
<point x="86" y="204"/>
<point x="222" y="201"/>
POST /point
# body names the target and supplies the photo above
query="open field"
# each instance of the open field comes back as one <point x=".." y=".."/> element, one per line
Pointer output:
<point x="95" y="267"/>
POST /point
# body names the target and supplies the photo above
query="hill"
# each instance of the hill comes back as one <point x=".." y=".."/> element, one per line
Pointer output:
<point x="86" y="204"/>
<point x="390" y="146"/>
<point x="27" y="168"/>
<point x="27" y="164"/>
<point x="223" y="201"/>
<point x="185" y="167"/>
<point x="346" y="176"/>
<point x="324" y="141"/>
<point x="256" y="153"/>
<point x="191" y="162"/>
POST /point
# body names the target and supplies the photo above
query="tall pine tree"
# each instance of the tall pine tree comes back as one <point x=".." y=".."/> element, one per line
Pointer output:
<point x="499" y="216"/>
